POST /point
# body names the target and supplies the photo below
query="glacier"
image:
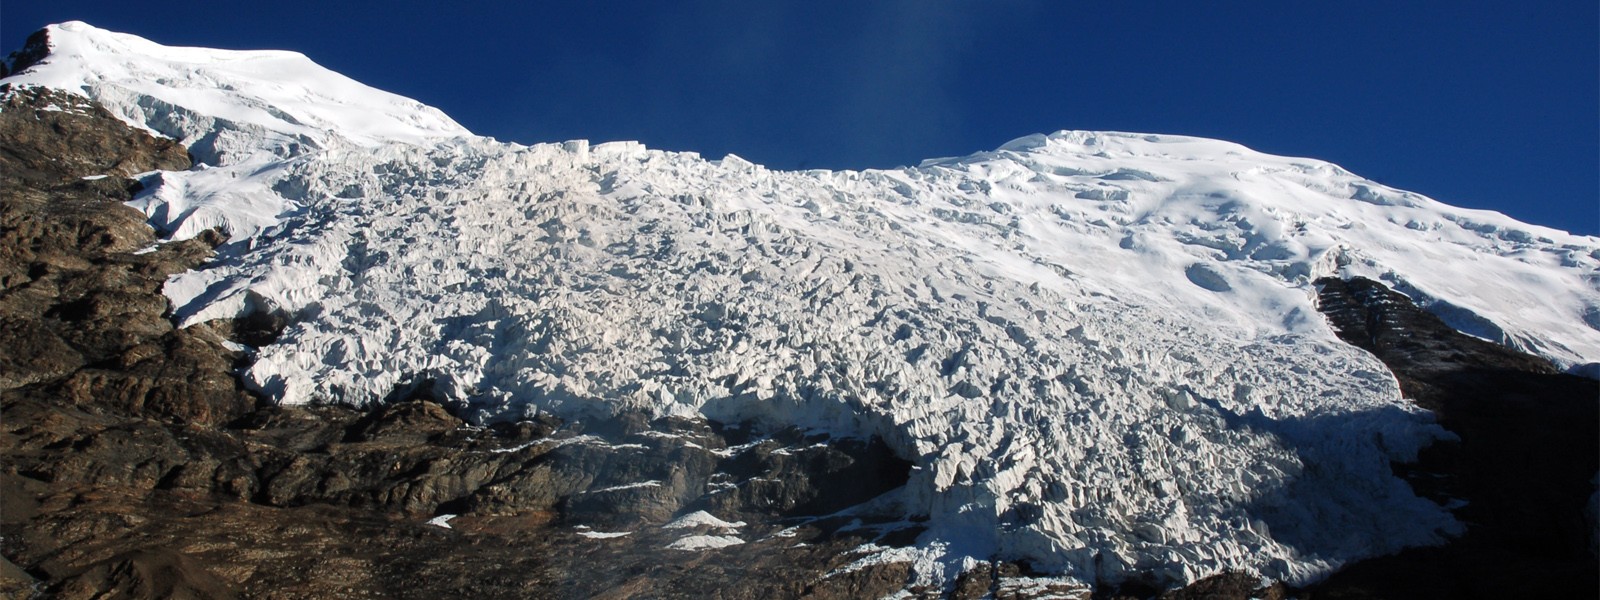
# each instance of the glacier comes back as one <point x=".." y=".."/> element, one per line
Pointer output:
<point x="1101" y="350"/>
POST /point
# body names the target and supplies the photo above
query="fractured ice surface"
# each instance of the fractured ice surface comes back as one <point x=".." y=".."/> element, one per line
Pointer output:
<point x="1073" y="402"/>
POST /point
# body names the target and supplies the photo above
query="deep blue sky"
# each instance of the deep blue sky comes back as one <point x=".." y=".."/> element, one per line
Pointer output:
<point x="1481" y="104"/>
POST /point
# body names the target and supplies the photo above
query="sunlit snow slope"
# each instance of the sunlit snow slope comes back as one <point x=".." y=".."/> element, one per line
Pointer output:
<point x="1100" y="349"/>
<point x="229" y="108"/>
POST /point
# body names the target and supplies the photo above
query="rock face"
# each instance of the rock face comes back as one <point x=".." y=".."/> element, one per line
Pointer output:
<point x="33" y="50"/>
<point x="84" y="321"/>
<point x="1522" y="475"/>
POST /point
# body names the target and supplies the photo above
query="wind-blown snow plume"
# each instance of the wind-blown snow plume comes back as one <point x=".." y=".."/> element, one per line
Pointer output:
<point x="1100" y="349"/>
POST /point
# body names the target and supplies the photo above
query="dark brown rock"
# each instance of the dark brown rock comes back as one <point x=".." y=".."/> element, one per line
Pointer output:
<point x="1524" y="466"/>
<point x="793" y="475"/>
<point x="15" y="582"/>
<point x="153" y="573"/>
<point x="53" y="139"/>
<point x="33" y="50"/>
<point x="1228" y="586"/>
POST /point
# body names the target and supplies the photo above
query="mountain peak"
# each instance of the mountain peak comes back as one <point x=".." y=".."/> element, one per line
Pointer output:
<point x="227" y="106"/>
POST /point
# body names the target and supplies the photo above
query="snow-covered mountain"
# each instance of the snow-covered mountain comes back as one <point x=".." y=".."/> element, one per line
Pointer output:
<point x="228" y="106"/>
<point x="1100" y="350"/>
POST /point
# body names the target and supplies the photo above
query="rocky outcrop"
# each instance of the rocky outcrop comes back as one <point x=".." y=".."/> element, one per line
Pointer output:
<point x="83" y="319"/>
<point x="1520" y="475"/>
<point x="33" y="50"/>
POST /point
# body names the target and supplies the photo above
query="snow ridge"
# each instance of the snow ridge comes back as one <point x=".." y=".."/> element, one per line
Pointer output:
<point x="1100" y="349"/>
<point x="229" y="106"/>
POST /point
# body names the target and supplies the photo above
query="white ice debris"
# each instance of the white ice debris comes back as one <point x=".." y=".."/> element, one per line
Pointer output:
<point x="702" y="518"/>
<point x="705" y="542"/>
<point x="627" y="486"/>
<point x="787" y="532"/>
<point x="1101" y="350"/>
<point x="604" y="535"/>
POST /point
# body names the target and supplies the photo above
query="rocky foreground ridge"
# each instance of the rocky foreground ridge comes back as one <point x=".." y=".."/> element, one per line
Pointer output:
<point x="136" y="465"/>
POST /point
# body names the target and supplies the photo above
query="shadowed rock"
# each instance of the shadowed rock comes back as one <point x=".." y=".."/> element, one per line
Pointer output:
<point x="1520" y="477"/>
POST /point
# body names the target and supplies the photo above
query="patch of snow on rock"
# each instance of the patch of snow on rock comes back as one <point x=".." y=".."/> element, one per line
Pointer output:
<point x="627" y="486"/>
<point x="705" y="542"/>
<point x="702" y="518"/>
